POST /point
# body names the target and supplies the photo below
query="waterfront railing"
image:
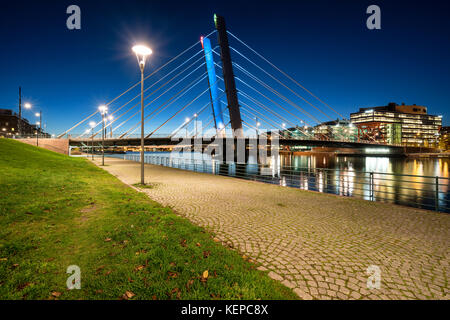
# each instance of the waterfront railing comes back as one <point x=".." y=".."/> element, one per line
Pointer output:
<point x="426" y="192"/>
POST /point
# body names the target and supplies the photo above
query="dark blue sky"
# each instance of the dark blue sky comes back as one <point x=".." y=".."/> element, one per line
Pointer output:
<point x="325" y="45"/>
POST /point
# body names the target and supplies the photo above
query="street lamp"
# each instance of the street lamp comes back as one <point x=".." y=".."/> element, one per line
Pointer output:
<point x="110" y="118"/>
<point x="141" y="53"/>
<point x="38" y="114"/>
<point x="92" y="125"/>
<point x="103" y="110"/>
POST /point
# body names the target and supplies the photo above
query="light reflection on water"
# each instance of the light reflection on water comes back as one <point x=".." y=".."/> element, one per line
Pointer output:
<point x="347" y="176"/>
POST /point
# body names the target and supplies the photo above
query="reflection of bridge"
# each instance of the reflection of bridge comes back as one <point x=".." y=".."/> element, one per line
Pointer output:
<point x="260" y="96"/>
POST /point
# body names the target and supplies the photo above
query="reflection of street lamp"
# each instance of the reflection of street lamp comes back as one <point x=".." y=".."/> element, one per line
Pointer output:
<point x="92" y="125"/>
<point x="141" y="53"/>
<point x="103" y="110"/>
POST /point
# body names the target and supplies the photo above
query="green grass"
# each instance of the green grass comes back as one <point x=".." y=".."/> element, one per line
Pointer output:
<point x="57" y="211"/>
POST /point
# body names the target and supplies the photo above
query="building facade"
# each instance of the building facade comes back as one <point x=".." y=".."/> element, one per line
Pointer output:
<point x="444" y="139"/>
<point x="408" y="125"/>
<point x="9" y="125"/>
<point x="336" y="130"/>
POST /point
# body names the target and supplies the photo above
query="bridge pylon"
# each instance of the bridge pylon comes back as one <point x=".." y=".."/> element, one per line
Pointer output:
<point x="228" y="76"/>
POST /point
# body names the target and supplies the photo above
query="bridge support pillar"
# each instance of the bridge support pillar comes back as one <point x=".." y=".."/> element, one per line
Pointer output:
<point x="228" y="77"/>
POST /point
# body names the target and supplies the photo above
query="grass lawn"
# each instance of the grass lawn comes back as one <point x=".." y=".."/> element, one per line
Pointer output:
<point x="57" y="211"/>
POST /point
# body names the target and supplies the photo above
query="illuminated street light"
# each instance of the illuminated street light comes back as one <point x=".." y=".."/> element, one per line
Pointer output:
<point x="103" y="110"/>
<point x="92" y="124"/>
<point x="141" y="54"/>
<point x="38" y="114"/>
<point x="110" y="118"/>
<point x="27" y="105"/>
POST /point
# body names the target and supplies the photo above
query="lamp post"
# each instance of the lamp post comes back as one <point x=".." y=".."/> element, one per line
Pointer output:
<point x="92" y="125"/>
<point x="103" y="110"/>
<point x="110" y="118"/>
<point x="38" y="114"/>
<point x="141" y="53"/>
<point x="19" y="126"/>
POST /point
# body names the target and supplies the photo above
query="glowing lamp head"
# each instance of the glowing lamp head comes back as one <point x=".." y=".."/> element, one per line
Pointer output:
<point x="27" y="105"/>
<point x="92" y="124"/>
<point x="103" y="109"/>
<point x="186" y="120"/>
<point x="37" y="114"/>
<point x="141" y="52"/>
<point x="110" y="118"/>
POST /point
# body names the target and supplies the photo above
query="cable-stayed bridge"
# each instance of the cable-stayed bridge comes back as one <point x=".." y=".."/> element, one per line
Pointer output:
<point x="216" y="88"/>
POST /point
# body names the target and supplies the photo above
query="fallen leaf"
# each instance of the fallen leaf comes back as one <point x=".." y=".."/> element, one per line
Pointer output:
<point x="183" y="243"/>
<point x="15" y="265"/>
<point x="107" y="239"/>
<point x="205" y="274"/>
<point x="154" y="297"/>
<point x="138" y="268"/>
<point x="129" y="294"/>
<point x="108" y="273"/>
<point x="216" y="240"/>
<point x="3" y="259"/>
<point x="206" y="254"/>
<point x="172" y="274"/>
<point x="198" y="244"/>
<point x="28" y="212"/>
<point x="99" y="291"/>
<point x="172" y="264"/>
<point x="189" y="283"/>
<point x="56" y="294"/>
<point x="178" y="292"/>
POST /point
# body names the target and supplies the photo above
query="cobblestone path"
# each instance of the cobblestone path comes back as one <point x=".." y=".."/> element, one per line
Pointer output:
<point x="320" y="245"/>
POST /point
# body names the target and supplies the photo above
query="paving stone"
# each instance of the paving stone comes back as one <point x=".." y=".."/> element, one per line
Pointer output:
<point x="317" y="235"/>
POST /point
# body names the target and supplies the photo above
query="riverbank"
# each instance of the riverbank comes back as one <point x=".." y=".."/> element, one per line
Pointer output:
<point x="318" y="244"/>
<point x="57" y="211"/>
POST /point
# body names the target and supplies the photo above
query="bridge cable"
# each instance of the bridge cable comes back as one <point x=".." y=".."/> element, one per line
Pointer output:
<point x="133" y="86"/>
<point x="285" y="74"/>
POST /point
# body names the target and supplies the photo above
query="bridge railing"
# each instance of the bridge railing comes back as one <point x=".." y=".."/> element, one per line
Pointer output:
<point x="427" y="192"/>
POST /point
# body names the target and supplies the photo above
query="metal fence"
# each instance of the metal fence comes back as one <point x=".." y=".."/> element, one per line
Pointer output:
<point x="427" y="192"/>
